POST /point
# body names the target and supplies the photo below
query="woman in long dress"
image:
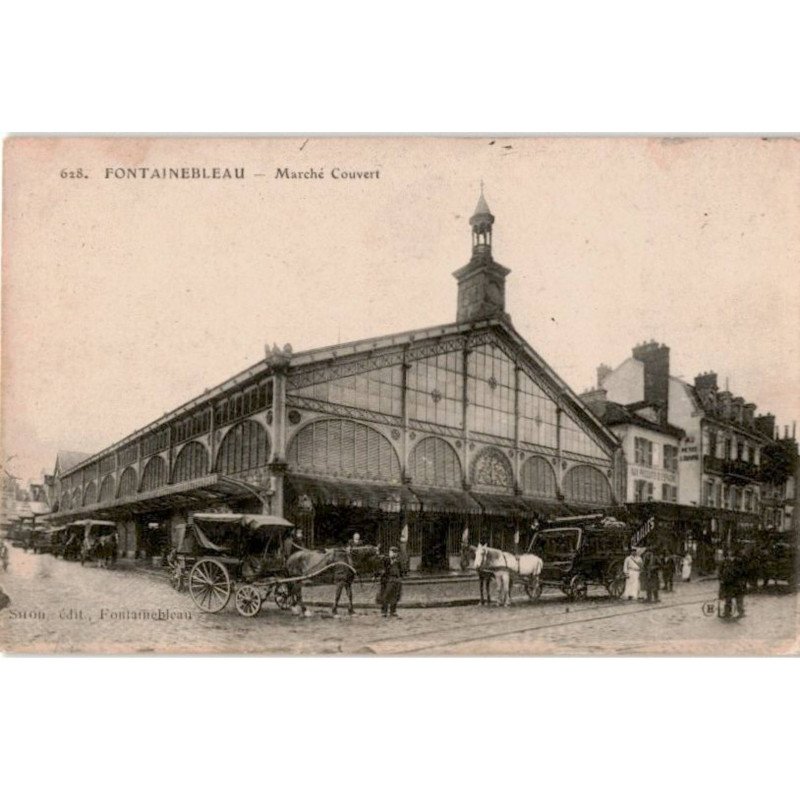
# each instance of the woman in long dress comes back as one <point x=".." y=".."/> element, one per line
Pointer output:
<point x="632" y="568"/>
<point x="686" y="567"/>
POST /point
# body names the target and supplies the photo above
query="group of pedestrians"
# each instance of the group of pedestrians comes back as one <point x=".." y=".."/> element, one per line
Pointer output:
<point x="647" y="569"/>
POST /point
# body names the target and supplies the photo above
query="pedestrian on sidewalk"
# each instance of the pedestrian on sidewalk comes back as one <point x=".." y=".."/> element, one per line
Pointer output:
<point x="632" y="568"/>
<point x="391" y="587"/>
<point x="652" y="565"/>
<point x="686" y="567"/>
<point x="668" y="572"/>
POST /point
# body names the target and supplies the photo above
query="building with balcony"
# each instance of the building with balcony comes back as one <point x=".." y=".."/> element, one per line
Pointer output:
<point x="720" y="447"/>
<point x="460" y="425"/>
<point x="780" y="465"/>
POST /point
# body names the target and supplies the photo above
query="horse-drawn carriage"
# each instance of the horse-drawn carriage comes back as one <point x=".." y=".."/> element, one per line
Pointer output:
<point x="87" y="540"/>
<point x="771" y="556"/>
<point x="251" y="557"/>
<point x="581" y="551"/>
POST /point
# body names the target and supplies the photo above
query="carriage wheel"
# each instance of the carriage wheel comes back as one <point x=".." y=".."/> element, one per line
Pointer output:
<point x="283" y="596"/>
<point x="615" y="585"/>
<point x="210" y="585"/>
<point x="534" y="588"/>
<point x="248" y="600"/>
<point x="577" y="588"/>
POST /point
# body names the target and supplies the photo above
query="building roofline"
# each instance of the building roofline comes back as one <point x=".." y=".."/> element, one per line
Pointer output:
<point x="263" y="369"/>
<point x="320" y="354"/>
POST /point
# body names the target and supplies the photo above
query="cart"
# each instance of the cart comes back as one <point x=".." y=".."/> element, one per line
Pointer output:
<point x="240" y="555"/>
<point x="589" y="551"/>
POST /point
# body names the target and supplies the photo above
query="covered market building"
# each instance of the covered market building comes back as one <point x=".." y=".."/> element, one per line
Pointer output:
<point x="460" y="426"/>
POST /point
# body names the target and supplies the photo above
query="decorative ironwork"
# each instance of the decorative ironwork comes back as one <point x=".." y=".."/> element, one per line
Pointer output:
<point x="127" y="483"/>
<point x="492" y="468"/>
<point x="325" y="407"/>
<point x="587" y="484"/>
<point x="345" y="449"/>
<point x="538" y="478"/>
<point x="154" y="474"/>
<point x="245" y="447"/>
<point x="106" y="489"/>
<point x="434" y="462"/>
<point x="191" y="462"/>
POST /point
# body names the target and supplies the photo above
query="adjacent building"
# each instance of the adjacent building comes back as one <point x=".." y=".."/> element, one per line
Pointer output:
<point x="460" y="425"/>
<point x="720" y="446"/>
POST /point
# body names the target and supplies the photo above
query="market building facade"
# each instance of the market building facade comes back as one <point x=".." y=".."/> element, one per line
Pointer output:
<point x="422" y="435"/>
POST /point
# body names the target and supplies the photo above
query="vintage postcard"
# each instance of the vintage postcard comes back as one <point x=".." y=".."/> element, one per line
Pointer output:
<point x="400" y="396"/>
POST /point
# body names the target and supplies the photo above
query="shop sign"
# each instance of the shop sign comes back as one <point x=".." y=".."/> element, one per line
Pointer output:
<point x="653" y="474"/>
<point x="640" y="534"/>
<point x="690" y="450"/>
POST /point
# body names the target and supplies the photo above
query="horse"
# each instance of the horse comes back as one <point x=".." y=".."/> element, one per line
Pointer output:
<point x="310" y="563"/>
<point x="362" y="560"/>
<point x="485" y="576"/>
<point x="504" y="565"/>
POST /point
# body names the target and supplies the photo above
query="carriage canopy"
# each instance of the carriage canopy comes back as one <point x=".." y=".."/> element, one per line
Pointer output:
<point x="224" y="532"/>
<point x="93" y="527"/>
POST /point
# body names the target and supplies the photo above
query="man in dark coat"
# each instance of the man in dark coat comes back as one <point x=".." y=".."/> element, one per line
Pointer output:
<point x="668" y="572"/>
<point x="732" y="584"/>
<point x="391" y="584"/>
<point x="652" y="565"/>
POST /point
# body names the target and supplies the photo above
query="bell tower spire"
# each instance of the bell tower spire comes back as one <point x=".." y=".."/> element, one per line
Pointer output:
<point x="481" y="222"/>
<point x="482" y="282"/>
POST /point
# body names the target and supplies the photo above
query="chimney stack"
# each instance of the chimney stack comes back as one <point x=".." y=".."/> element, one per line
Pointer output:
<point x="765" y="425"/>
<point x="655" y="358"/>
<point x="603" y="371"/>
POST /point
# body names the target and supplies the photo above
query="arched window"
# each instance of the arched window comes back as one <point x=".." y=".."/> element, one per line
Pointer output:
<point x="192" y="462"/>
<point x="244" y="447"/>
<point x="434" y="462"/>
<point x="346" y="449"/>
<point x="127" y="483"/>
<point x="77" y="497"/>
<point x="154" y="474"/>
<point x="538" y="478"/>
<point x="107" y="489"/>
<point x="66" y="500"/>
<point x="491" y="468"/>
<point x="585" y="484"/>
<point x="90" y="494"/>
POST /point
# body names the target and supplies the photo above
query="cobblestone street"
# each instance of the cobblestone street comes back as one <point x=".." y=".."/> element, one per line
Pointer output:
<point x="59" y="606"/>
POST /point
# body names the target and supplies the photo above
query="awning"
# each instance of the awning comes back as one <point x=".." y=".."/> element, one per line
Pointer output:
<point x="334" y="492"/>
<point x="541" y="506"/>
<point x="207" y="490"/>
<point x="450" y="501"/>
<point x="500" y="504"/>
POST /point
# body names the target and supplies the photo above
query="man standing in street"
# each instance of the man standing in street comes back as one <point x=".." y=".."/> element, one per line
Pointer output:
<point x="652" y="574"/>
<point x="669" y="572"/>
<point x="391" y="589"/>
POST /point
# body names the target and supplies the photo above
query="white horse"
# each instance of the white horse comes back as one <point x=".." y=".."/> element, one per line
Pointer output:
<point x="505" y="565"/>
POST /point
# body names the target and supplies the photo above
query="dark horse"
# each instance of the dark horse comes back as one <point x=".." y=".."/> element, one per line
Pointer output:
<point x="485" y="577"/>
<point x="338" y="565"/>
<point x="366" y="561"/>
